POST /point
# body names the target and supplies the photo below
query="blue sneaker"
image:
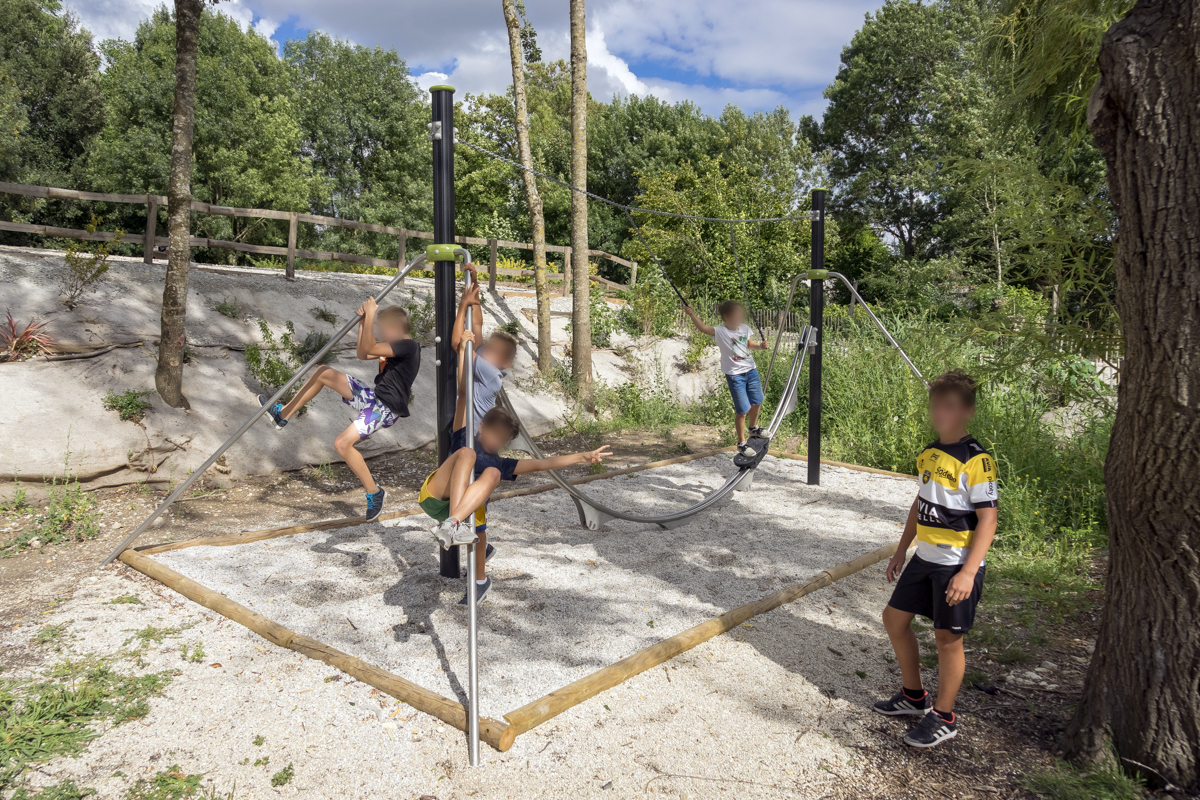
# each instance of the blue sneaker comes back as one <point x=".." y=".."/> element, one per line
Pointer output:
<point x="375" y="504"/>
<point x="481" y="589"/>
<point x="276" y="411"/>
<point x="488" y="553"/>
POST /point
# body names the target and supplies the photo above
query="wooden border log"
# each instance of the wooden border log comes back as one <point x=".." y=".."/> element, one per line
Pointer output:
<point x="495" y="733"/>
<point x="533" y="714"/>
<point x="246" y="537"/>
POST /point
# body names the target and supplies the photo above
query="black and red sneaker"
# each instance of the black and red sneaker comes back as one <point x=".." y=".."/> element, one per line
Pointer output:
<point x="932" y="730"/>
<point x="901" y="705"/>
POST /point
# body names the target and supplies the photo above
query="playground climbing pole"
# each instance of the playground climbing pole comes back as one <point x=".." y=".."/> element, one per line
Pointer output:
<point x="816" y="312"/>
<point x="441" y="134"/>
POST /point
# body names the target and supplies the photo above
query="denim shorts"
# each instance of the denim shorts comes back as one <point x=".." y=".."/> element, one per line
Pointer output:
<point x="746" y="389"/>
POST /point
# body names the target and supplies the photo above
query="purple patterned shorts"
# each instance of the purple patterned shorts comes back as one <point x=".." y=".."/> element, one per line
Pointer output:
<point x="372" y="413"/>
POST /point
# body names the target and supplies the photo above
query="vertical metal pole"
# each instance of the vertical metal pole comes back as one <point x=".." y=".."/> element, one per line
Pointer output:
<point x="472" y="549"/>
<point x="816" y="316"/>
<point x="442" y="133"/>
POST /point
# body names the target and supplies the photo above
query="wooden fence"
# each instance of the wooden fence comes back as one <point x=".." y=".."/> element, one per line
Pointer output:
<point x="150" y="239"/>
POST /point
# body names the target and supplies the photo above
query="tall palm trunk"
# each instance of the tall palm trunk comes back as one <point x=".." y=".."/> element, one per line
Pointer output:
<point x="168" y="378"/>
<point x="537" y="217"/>
<point x="1142" y="690"/>
<point x="581" y="320"/>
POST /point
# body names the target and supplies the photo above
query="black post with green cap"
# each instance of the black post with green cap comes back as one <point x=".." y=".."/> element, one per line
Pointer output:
<point x="441" y="133"/>
<point x="816" y="310"/>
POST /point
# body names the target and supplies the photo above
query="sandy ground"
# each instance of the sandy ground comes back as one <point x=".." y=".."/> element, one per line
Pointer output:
<point x="776" y="709"/>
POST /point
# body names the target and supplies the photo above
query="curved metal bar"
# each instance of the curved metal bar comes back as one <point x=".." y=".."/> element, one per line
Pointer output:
<point x="779" y="333"/>
<point x="879" y="325"/>
<point x="312" y="362"/>
<point x="675" y="517"/>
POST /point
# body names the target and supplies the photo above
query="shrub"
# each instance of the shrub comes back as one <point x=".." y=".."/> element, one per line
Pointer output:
<point x="273" y="362"/>
<point x="652" y="308"/>
<point x="603" y="319"/>
<point x="512" y="327"/>
<point x="85" y="270"/>
<point x="129" y="405"/>
<point x="325" y="314"/>
<point x="312" y="344"/>
<point x="698" y="346"/>
<point x="27" y="343"/>
<point x="228" y="308"/>
<point x="421" y="316"/>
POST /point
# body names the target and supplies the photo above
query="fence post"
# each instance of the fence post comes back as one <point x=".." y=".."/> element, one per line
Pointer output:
<point x="853" y="299"/>
<point x="402" y="255"/>
<point x="151" y="228"/>
<point x="632" y="274"/>
<point x="492" y="266"/>
<point x="291" y="256"/>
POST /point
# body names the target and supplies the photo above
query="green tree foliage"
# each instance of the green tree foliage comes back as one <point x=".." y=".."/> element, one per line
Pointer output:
<point x="903" y="103"/>
<point x="362" y="123"/>
<point x="247" y="138"/>
<point x="56" y="69"/>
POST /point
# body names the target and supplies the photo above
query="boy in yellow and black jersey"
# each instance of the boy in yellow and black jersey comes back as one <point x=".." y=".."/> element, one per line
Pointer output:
<point x="953" y="521"/>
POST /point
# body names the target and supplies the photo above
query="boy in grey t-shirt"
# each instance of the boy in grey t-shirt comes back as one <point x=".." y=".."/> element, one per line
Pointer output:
<point x="492" y="360"/>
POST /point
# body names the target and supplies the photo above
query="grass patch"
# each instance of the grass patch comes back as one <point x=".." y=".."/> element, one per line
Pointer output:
<point x="228" y="308"/>
<point x="50" y="634"/>
<point x="130" y="406"/>
<point x="150" y="635"/>
<point x="124" y="600"/>
<point x="195" y="655"/>
<point x="44" y="719"/>
<point x="1103" y="781"/>
<point x="284" y="776"/>
<point x="64" y="790"/>
<point x="512" y="327"/>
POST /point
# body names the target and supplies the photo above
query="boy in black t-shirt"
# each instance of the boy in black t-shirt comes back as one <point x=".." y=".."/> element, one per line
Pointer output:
<point x="378" y="406"/>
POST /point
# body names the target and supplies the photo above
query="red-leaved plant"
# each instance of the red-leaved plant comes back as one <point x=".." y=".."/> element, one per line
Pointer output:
<point x="21" y="344"/>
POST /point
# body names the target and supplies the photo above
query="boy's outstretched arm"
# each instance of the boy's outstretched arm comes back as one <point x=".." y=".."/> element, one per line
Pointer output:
<point x="963" y="581"/>
<point x="707" y="330"/>
<point x="753" y="345"/>
<point x="896" y="564"/>
<point x="560" y="462"/>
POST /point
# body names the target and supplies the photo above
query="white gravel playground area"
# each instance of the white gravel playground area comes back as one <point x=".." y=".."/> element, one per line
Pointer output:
<point x="775" y="708"/>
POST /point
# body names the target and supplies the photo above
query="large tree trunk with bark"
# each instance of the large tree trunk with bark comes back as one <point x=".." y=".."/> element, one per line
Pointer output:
<point x="168" y="378"/>
<point x="537" y="217"/>
<point x="1143" y="686"/>
<point x="581" y="318"/>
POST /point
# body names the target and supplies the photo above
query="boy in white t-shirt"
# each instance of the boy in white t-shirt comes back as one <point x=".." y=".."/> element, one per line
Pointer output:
<point x="733" y="341"/>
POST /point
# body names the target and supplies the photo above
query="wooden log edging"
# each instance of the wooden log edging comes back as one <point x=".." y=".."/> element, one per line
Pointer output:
<point x="533" y="714"/>
<point x="246" y="537"/>
<point x="497" y="734"/>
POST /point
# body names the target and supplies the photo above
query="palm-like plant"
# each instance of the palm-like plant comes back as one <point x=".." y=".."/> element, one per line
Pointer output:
<point x="17" y="345"/>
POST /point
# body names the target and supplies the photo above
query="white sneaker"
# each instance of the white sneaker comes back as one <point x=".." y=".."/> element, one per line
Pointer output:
<point x="445" y="532"/>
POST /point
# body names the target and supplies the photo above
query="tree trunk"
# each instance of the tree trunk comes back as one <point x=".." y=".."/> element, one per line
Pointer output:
<point x="537" y="217"/>
<point x="168" y="378"/>
<point x="581" y="318"/>
<point x="1143" y="686"/>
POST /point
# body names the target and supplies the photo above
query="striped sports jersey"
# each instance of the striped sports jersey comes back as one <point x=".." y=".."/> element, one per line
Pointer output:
<point x="955" y="479"/>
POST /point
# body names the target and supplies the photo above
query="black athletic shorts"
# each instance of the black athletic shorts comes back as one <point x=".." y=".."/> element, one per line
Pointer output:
<point x="922" y="588"/>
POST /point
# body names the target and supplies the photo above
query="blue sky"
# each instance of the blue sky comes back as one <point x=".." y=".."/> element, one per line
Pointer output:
<point x="758" y="54"/>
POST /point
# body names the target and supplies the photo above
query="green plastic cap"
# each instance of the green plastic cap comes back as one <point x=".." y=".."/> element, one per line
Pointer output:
<point x="442" y="87"/>
<point x="818" y="274"/>
<point x="440" y="252"/>
<point x="820" y="189"/>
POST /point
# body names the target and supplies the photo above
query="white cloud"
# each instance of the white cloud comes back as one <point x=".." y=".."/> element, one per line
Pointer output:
<point x="757" y="53"/>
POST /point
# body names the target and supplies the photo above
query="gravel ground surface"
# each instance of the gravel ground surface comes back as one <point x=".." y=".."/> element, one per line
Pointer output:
<point x="777" y="708"/>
